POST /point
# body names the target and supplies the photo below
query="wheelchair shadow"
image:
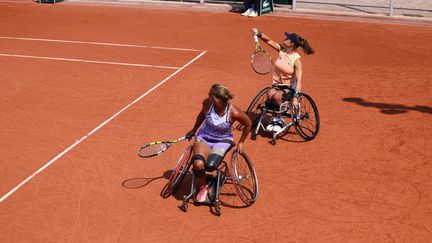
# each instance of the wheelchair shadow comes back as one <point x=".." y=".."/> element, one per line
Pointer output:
<point x="389" y="109"/>
<point x="227" y="197"/>
<point x="182" y="189"/>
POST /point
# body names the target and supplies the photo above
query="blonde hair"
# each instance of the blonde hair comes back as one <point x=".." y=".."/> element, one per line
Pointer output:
<point x="221" y="92"/>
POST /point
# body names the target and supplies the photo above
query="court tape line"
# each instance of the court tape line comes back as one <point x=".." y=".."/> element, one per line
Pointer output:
<point x="96" y="129"/>
<point x="88" y="61"/>
<point x="96" y="43"/>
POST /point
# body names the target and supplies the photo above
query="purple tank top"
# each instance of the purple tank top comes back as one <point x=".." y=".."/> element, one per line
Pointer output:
<point x="215" y="126"/>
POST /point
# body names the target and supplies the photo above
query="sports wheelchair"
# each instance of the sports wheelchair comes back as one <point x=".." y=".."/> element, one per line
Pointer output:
<point x="238" y="172"/>
<point x="277" y="119"/>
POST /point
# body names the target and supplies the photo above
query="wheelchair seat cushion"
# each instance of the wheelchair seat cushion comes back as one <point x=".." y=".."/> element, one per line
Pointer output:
<point x="287" y="95"/>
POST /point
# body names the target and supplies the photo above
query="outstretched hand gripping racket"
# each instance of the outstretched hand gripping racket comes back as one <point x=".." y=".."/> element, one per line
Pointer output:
<point x="261" y="61"/>
<point x="156" y="148"/>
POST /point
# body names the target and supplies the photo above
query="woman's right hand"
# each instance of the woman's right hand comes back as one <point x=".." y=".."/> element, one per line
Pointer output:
<point x="240" y="147"/>
<point x="190" y="134"/>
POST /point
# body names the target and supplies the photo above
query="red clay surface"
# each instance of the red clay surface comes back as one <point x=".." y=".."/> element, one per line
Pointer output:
<point x="365" y="178"/>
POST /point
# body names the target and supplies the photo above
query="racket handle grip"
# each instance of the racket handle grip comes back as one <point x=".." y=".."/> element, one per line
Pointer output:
<point x="256" y="38"/>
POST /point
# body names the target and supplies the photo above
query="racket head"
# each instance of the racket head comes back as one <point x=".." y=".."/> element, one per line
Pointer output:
<point x="261" y="62"/>
<point x="153" y="149"/>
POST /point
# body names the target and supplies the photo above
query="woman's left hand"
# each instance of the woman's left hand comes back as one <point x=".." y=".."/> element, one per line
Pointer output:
<point x="240" y="147"/>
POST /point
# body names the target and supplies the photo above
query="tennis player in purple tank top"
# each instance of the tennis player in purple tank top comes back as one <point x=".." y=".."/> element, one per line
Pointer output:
<point x="215" y="137"/>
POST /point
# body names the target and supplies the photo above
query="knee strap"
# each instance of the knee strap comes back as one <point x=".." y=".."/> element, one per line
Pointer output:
<point x="198" y="157"/>
<point x="213" y="162"/>
<point x="201" y="172"/>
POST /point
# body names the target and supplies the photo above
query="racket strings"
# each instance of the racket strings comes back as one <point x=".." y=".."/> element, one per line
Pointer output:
<point x="152" y="149"/>
<point x="261" y="62"/>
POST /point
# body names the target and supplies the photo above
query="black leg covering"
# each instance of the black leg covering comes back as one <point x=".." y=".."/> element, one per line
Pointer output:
<point x="213" y="162"/>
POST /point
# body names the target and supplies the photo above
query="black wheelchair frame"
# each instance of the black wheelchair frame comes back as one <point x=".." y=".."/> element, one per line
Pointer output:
<point x="239" y="171"/>
<point x="263" y="113"/>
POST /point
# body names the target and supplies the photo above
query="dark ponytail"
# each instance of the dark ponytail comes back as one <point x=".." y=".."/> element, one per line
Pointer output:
<point x="305" y="45"/>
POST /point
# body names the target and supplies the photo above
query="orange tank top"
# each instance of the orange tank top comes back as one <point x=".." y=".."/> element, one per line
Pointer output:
<point x="284" y="71"/>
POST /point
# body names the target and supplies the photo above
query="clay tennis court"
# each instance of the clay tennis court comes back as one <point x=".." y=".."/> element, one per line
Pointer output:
<point x="83" y="86"/>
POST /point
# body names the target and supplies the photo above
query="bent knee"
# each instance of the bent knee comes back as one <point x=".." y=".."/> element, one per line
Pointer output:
<point x="198" y="161"/>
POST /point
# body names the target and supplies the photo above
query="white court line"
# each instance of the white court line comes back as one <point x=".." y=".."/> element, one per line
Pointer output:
<point x="96" y="129"/>
<point x="87" y="61"/>
<point x="96" y="43"/>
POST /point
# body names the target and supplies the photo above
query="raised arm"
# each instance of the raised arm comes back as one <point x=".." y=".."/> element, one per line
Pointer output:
<point x="266" y="39"/>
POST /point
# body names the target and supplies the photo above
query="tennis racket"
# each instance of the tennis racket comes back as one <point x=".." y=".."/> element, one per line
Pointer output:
<point x="261" y="61"/>
<point x="156" y="148"/>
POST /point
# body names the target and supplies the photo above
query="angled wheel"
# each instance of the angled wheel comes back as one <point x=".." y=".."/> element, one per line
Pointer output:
<point x="227" y="191"/>
<point x="178" y="173"/>
<point x="254" y="109"/>
<point x="244" y="178"/>
<point x="306" y="118"/>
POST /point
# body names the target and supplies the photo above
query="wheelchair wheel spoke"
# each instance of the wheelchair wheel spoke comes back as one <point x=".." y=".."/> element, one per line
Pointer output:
<point x="228" y="196"/>
<point x="244" y="178"/>
<point x="306" y="117"/>
<point x="178" y="173"/>
<point x="255" y="108"/>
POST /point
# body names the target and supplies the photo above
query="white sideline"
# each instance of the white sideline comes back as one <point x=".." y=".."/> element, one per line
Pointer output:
<point x="96" y="43"/>
<point x="96" y="129"/>
<point x="87" y="61"/>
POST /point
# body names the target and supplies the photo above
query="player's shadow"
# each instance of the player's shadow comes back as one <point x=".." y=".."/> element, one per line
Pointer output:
<point x="389" y="109"/>
<point x="228" y="196"/>
<point x="182" y="189"/>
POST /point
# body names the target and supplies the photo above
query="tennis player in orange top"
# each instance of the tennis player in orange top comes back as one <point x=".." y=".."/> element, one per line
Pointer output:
<point x="287" y="67"/>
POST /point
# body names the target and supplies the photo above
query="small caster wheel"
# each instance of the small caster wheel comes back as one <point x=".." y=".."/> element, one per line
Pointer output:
<point x="184" y="207"/>
<point x="217" y="211"/>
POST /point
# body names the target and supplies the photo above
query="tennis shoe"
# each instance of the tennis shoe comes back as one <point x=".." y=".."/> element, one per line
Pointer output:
<point x="269" y="127"/>
<point x="202" y="194"/>
<point x="253" y="14"/>
<point x="247" y="12"/>
<point x="276" y="128"/>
